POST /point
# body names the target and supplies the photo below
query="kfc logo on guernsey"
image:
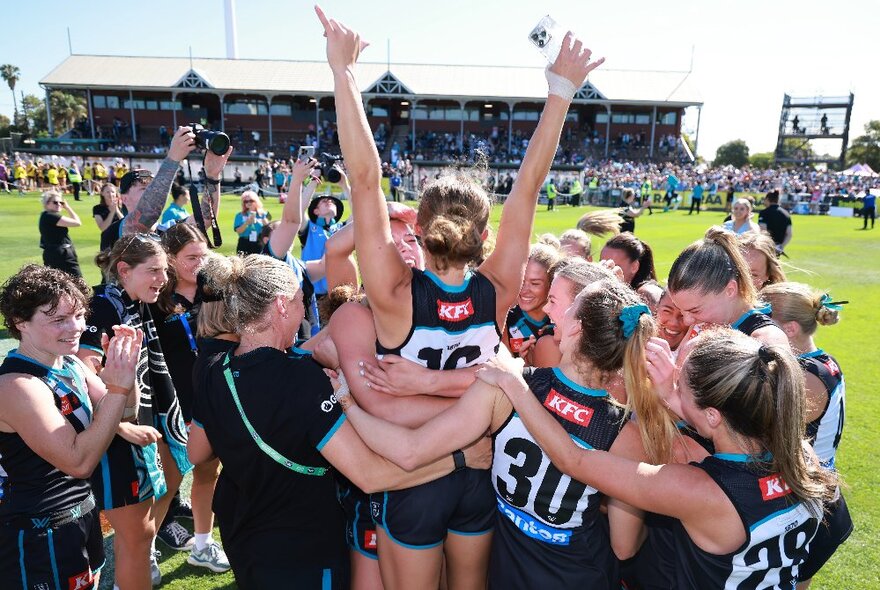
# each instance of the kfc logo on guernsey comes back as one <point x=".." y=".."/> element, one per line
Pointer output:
<point x="567" y="409"/>
<point x="369" y="539"/>
<point x="81" y="581"/>
<point x="772" y="487"/>
<point x="455" y="312"/>
<point x="832" y="367"/>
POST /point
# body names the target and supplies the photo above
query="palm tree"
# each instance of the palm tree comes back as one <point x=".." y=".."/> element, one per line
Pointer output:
<point x="67" y="110"/>
<point x="11" y="74"/>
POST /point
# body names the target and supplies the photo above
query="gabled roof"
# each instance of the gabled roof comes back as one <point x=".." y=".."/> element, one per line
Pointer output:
<point x="314" y="78"/>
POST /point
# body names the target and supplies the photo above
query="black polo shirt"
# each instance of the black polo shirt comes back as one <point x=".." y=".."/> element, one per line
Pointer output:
<point x="777" y="221"/>
<point x="290" y="404"/>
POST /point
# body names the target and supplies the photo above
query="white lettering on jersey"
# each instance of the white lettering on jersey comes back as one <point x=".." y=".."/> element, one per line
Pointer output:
<point x="525" y="479"/>
<point x="455" y="312"/>
<point x="777" y="546"/>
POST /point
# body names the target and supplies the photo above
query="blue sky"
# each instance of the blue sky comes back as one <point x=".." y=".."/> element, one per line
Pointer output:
<point x="746" y="54"/>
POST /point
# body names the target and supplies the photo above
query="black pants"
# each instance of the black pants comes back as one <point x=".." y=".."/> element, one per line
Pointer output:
<point x="550" y="204"/>
<point x="695" y="203"/>
<point x="868" y="212"/>
<point x="63" y="257"/>
<point x="76" y="188"/>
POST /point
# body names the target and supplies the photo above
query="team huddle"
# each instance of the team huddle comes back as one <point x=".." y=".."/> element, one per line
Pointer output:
<point x="422" y="406"/>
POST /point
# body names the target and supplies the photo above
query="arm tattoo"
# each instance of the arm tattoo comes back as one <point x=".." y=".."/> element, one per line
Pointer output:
<point x="149" y="209"/>
<point x="210" y="203"/>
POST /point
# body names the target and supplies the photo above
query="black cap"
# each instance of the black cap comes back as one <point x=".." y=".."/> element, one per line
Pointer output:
<point x="340" y="208"/>
<point x="129" y="178"/>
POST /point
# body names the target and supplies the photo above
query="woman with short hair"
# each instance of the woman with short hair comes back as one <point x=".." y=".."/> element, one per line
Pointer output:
<point x="58" y="250"/>
<point x="57" y="421"/>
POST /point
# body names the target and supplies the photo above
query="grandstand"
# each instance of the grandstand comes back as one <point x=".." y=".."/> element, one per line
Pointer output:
<point x="272" y="104"/>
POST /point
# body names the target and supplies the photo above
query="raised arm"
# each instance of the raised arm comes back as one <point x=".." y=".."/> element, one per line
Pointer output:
<point x="214" y="165"/>
<point x="384" y="273"/>
<point x="506" y="265"/>
<point x="292" y="215"/>
<point x="339" y="261"/>
<point x="71" y="219"/>
<point x="149" y="208"/>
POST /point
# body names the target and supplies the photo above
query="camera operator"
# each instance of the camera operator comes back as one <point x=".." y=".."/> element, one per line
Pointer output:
<point x="145" y="205"/>
<point x="324" y="215"/>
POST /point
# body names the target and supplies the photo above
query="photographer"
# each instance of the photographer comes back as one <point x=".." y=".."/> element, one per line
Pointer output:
<point x="324" y="214"/>
<point x="58" y="251"/>
<point x="145" y="206"/>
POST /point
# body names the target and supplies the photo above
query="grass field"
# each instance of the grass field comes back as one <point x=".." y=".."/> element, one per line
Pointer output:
<point x="829" y="253"/>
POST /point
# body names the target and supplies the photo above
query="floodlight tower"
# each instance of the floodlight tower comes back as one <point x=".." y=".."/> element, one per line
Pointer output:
<point x="231" y="37"/>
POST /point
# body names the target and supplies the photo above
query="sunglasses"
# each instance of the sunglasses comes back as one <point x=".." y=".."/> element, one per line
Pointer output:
<point x="142" y="238"/>
<point x="55" y="202"/>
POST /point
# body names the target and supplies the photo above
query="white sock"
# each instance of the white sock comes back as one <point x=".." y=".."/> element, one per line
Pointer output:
<point x="153" y="545"/>
<point x="203" y="540"/>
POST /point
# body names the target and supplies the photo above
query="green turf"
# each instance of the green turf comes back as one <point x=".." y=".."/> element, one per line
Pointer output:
<point x="829" y="253"/>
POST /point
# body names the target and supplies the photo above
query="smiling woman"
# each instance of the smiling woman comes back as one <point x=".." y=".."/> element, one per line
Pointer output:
<point x="132" y="478"/>
<point x="58" y="419"/>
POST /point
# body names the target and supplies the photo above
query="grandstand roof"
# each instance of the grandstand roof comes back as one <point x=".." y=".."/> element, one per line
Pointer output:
<point x="314" y="78"/>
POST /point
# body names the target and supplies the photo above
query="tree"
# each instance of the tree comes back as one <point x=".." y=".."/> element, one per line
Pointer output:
<point x="34" y="114"/>
<point x="67" y="109"/>
<point x="762" y="160"/>
<point x="5" y="125"/>
<point x="865" y="149"/>
<point x="11" y="74"/>
<point x="734" y="153"/>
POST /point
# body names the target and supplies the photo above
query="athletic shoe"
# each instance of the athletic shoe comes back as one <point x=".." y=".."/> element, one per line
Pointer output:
<point x="183" y="510"/>
<point x="155" y="572"/>
<point x="176" y="536"/>
<point x="212" y="557"/>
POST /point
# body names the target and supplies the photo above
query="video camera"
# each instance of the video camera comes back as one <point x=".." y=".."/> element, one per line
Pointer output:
<point x="329" y="167"/>
<point x="216" y="141"/>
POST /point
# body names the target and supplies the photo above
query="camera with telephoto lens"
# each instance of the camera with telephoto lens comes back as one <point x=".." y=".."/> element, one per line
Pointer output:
<point x="216" y="141"/>
<point x="329" y="167"/>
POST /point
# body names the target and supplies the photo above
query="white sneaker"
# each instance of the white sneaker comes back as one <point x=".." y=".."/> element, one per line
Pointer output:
<point x="212" y="557"/>
<point x="155" y="573"/>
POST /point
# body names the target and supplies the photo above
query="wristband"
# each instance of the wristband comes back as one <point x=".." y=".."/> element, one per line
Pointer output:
<point x="117" y="389"/>
<point x="560" y="85"/>
<point x="129" y="413"/>
<point x="212" y="180"/>
<point x="458" y="459"/>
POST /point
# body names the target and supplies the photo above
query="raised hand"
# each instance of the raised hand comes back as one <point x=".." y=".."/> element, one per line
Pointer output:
<point x="121" y="357"/>
<point x="343" y="45"/>
<point x="573" y="61"/>
<point x="214" y="164"/>
<point x="302" y="169"/>
<point x="183" y="142"/>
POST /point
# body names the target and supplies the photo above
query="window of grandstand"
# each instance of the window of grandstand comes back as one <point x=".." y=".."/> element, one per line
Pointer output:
<point x="666" y="118"/>
<point x="245" y="107"/>
<point x="112" y="102"/>
<point x="152" y="105"/>
<point x="601" y="118"/>
<point x="170" y="105"/>
<point x="526" y="115"/>
<point x="138" y="104"/>
<point x="99" y="102"/>
<point x="383" y="112"/>
<point x="281" y="108"/>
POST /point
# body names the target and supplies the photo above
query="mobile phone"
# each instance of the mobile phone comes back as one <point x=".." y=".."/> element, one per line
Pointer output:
<point x="305" y="153"/>
<point x="547" y="36"/>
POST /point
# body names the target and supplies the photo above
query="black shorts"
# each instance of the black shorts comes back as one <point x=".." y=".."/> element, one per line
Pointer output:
<point x="833" y="531"/>
<point x="67" y="556"/>
<point x="462" y="503"/>
<point x="127" y="474"/>
<point x="265" y="560"/>
<point x="518" y="561"/>
<point x="360" y="531"/>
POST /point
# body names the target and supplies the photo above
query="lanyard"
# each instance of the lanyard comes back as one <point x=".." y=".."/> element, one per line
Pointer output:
<point x="184" y="321"/>
<point x="275" y="455"/>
